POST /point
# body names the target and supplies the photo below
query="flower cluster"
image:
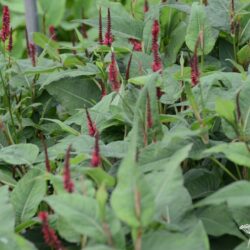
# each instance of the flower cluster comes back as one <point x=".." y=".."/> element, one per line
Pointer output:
<point x="68" y="183"/>
<point x="108" y="35"/>
<point x="113" y="74"/>
<point x="91" y="124"/>
<point x="157" y="64"/>
<point x="5" y="32"/>
<point x="49" y="234"/>
<point x="96" y="158"/>
<point x="136" y="44"/>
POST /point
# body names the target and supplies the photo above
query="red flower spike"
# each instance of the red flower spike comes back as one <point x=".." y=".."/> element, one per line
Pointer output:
<point x="32" y="51"/>
<point x="96" y="158"/>
<point x="195" y="74"/>
<point x="49" y="233"/>
<point x="10" y="44"/>
<point x="108" y="36"/>
<point x="91" y="124"/>
<point x="128" y="67"/>
<point x="52" y="32"/>
<point x="232" y="14"/>
<point x="146" y="7"/>
<point x="84" y="28"/>
<point x="149" y="113"/>
<point x="6" y="24"/>
<point x="68" y="184"/>
<point x="136" y="44"/>
<point x="100" y="38"/>
<point x="157" y="64"/>
<point x="113" y="74"/>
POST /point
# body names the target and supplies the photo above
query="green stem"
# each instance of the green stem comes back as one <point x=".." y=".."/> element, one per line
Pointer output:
<point x="224" y="168"/>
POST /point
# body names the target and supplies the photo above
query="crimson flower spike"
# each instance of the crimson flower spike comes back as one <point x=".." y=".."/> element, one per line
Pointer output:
<point x="146" y="7"/>
<point x="100" y="38"/>
<point x="149" y="113"/>
<point x="103" y="89"/>
<point x="232" y="14"/>
<point x="10" y="44"/>
<point x="49" y="233"/>
<point x="91" y="124"/>
<point x="108" y="35"/>
<point x="96" y="158"/>
<point x="136" y="44"/>
<point x="195" y="74"/>
<point x="157" y="64"/>
<point x="6" y="24"/>
<point x="113" y="74"/>
<point x="68" y="184"/>
<point x="32" y="53"/>
<point x="52" y="32"/>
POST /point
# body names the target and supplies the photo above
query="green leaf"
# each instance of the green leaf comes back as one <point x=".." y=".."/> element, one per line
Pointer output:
<point x="28" y="194"/>
<point x="162" y="240"/>
<point x="74" y="93"/>
<point x="19" y="154"/>
<point x="236" y="152"/>
<point x="75" y="208"/>
<point x="235" y="194"/>
<point x="7" y="215"/>
<point x="199" y="23"/>
<point x="64" y="127"/>
<point x="226" y="109"/>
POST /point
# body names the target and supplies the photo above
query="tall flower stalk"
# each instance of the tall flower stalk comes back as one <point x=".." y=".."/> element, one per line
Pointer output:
<point x="5" y="32"/>
<point x="49" y="233"/>
<point x="114" y="74"/>
<point x="100" y="38"/>
<point x="108" y="35"/>
<point x="91" y="125"/>
<point x="96" y="158"/>
<point x="157" y="64"/>
<point x="67" y="181"/>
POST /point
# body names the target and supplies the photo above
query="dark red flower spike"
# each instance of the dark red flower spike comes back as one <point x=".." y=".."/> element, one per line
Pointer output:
<point x="96" y="158"/>
<point x="5" y="32"/>
<point x="10" y="44"/>
<point x="195" y="74"/>
<point x="146" y="6"/>
<point x="91" y="124"/>
<point x="32" y="53"/>
<point x="100" y="38"/>
<point x="114" y="74"/>
<point x="67" y="181"/>
<point x="136" y="44"/>
<point x="52" y="32"/>
<point x="108" y="35"/>
<point x="49" y="233"/>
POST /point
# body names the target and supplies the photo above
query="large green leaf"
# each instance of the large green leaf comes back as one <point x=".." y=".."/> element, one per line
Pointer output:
<point x="19" y="154"/>
<point x="199" y="23"/>
<point x="28" y="194"/>
<point x="7" y="215"/>
<point x="74" y="93"/>
<point x="162" y="240"/>
<point x="74" y="208"/>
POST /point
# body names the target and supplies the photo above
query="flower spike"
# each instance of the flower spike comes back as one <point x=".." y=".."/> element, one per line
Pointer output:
<point x="108" y="36"/>
<point x="96" y="158"/>
<point x="68" y="183"/>
<point x="6" y="24"/>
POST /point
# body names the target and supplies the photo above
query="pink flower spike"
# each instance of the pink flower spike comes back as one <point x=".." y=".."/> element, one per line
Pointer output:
<point x="52" y="32"/>
<point x="195" y="74"/>
<point x="108" y="35"/>
<point x="91" y="124"/>
<point x="68" y="184"/>
<point x="49" y="233"/>
<point x="6" y="24"/>
<point x="157" y="64"/>
<point x="113" y="74"/>
<point x="96" y="158"/>
<point x="136" y="44"/>
<point x="146" y="7"/>
<point x="32" y="51"/>
<point x="100" y="38"/>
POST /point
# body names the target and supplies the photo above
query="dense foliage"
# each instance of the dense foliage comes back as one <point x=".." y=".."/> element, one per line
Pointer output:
<point x="125" y="125"/>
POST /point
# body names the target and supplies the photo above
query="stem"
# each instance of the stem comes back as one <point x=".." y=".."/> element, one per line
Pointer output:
<point x="224" y="168"/>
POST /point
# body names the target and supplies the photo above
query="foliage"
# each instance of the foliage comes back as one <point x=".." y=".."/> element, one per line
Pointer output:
<point x="156" y="163"/>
